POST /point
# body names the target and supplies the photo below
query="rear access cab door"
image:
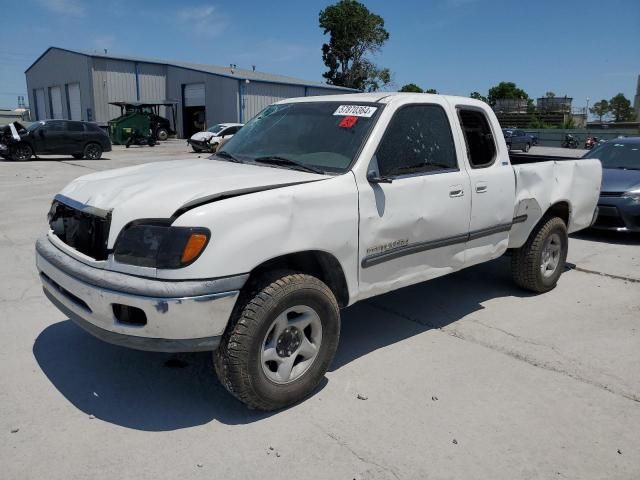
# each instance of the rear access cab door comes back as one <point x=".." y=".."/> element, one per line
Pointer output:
<point x="415" y="227"/>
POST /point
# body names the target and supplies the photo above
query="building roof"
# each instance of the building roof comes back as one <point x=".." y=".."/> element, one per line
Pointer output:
<point x="231" y="72"/>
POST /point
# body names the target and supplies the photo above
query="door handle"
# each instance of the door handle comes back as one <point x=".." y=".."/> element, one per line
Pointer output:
<point x="456" y="193"/>
<point x="481" y="188"/>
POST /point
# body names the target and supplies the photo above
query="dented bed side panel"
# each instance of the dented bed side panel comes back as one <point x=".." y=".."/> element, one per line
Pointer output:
<point x="541" y="185"/>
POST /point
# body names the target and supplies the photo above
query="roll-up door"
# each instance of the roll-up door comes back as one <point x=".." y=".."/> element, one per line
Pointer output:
<point x="41" y="111"/>
<point x="194" y="95"/>
<point x="56" y="102"/>
<point x="75" y="108"/>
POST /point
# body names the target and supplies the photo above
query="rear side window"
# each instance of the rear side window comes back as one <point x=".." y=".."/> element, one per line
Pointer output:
<point x="75" y="126"/>
<point x="55" y="126"/>
<point x="418" y="139"/>
<point x="94" y="127"/>
<point x="481" y="146"/>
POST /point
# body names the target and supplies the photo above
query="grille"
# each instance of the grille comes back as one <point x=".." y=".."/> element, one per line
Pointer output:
<point x="85" y="232"/>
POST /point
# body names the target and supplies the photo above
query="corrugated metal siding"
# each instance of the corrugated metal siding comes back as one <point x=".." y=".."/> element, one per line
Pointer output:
<point x="58" y="68"/>
<point x="55" y="95"/>
<point x="75" y="104"/>
<point x="113" y="81"/>
<point x="256" y="96"/>
<point x="40" y="103"/>
<point x="152" y="80"/>
<point x="221" y="95"/>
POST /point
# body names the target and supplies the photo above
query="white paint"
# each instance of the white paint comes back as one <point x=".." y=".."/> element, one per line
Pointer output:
<point x="41" y="109"/>
<point x="345" y="215"/>
<point x="194" y="95"/>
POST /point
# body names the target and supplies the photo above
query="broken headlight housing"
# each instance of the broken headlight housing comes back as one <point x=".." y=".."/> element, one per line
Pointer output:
<point x="633" y="195"/>
<point x="160" y="246"/>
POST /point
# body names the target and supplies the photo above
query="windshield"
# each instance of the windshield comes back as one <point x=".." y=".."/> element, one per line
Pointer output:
<point x="33" y="126"/>
<point x="325" y="136"/>
<point x="507" y="133"/>
<point x="216" y="128"/>
<point x="617" y="155"/>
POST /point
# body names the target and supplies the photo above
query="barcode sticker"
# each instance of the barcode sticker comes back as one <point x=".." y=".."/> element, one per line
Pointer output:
<point x="356" y="110"/>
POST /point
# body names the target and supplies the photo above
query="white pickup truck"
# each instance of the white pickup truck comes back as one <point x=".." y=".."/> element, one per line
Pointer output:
<point x="317" y="203"/>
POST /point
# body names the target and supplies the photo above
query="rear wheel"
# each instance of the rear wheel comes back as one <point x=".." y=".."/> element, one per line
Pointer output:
<point x="526" y="147"/>
<point x="197" y="150"/>
<point x="93" y="151"/>
<point x="21" y="152"/>
<point x="280" y="341"/>
<point x="162" y="134"/>
<point x="538" y="264"/>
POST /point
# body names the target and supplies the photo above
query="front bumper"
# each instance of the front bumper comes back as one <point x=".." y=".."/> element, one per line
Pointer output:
<point x="201" y="144"/>
<point x="619" y="214"/>
<point x="179" y="316"/>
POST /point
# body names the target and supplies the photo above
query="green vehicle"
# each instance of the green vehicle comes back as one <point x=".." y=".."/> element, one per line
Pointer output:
<point x="143" y="117"/>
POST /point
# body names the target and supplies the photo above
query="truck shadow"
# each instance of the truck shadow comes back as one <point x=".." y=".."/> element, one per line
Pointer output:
<point x="161" y="392"/>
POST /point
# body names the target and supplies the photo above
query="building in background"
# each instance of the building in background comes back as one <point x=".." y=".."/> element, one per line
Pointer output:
<point x="636" y="101"/>
<point x="80" y="85"/>
<point x="554" y="104"/>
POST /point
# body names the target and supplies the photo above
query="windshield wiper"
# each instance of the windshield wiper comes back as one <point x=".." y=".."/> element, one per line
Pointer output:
<point x="228" y="157"/>
<point x="276" y="160"/>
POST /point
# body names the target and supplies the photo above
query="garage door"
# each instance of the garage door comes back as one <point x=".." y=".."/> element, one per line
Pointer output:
<point x="56" y="102"/>
<point x="41" y="111"/>
<point x="75" y="110"/>
<point x="194" y="95"/>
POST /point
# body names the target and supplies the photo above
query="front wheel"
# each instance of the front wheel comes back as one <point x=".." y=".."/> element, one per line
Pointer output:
<point x="93" y="151"/>
<point x="526" y="147"/>
<point x="21" y="152"/>
<point x="280" y="341"/>
<point x="538" y="264"/>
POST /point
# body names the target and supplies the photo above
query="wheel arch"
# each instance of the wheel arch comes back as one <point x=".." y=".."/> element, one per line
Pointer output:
<point x="562" y="210"/>
<point x="318" y="263"/>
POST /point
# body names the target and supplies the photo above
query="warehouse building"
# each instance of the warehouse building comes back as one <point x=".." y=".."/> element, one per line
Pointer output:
<point x="79" y="85"/>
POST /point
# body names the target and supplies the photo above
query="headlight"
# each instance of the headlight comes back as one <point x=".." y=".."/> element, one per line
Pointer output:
<point x="160" y="246"/>
<point x="633" y="194"/>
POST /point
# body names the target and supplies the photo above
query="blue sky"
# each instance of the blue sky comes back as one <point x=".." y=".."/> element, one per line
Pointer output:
<point x="578" y="48"/>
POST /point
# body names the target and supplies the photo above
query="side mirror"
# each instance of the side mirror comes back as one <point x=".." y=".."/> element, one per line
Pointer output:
<point x="373" y="177"/>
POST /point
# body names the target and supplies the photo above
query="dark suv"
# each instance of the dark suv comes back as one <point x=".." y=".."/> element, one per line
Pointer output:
<point x="517" y="139"/>
<point x="54" y="137"/>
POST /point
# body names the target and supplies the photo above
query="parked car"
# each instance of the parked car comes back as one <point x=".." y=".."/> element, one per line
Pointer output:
<point x="313" y="206"/>
<point x="619" y="203"/>
<point x="54" y="137"/>
<point x="210" y="139"/>
<point x="517" y="139"/>
<point x="534" y="139"/>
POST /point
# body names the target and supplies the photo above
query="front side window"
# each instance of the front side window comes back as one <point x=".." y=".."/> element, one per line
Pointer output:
<point x="324" y="136"/>
<point x="216" y="129"/>
<point x="418" y="139"/>
<point x="481" y="146"/>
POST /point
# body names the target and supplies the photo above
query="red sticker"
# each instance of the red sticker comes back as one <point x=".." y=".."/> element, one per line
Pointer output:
<point x="348" y="122"/>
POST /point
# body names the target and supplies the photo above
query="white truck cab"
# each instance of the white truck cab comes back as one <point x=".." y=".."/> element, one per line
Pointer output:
<point x="313" y="205"/>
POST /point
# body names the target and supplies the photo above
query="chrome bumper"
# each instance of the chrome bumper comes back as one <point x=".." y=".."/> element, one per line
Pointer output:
<point x="178" y="315"/>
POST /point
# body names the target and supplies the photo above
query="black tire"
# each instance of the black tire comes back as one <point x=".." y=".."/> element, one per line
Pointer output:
<point x="93" y="151"/>
<point x="213" y="147"/>
<point x="508" y="147"/>
<point x="526" y="147"/>
<point x="21" y="152"/>
<point x="527" y="261"/>
<point x="162" y="134"/>
<point x="197" y="150"/>
<point x="78" y="156"/>
<point x="238" y="360"/>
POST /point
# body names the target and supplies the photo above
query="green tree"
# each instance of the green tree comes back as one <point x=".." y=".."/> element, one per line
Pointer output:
<point x="354" y="32"/>
<point x="621" y="108"/>
<point x="430" y="90"/>
<point x="600" y="109"/>
<point x="506" y="90"/>
<point x="550" y="95"/>
<point x="477" y="96"/>
<point x="411" y="87"/>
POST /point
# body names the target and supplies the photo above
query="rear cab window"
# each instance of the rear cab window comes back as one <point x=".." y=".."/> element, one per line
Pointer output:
<point x="478" y="136"/>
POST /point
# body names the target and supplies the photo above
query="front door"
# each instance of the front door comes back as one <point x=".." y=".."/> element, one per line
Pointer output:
<point x="415" y="227"/>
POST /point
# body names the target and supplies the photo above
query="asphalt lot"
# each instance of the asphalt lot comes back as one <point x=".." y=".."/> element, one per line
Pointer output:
<point x="466" y="377"/>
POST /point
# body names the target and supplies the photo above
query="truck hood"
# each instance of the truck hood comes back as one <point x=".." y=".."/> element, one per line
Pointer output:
<point x="618" y="180"/>
<point x="164" y="189"/>
<point x="201" y="136"/>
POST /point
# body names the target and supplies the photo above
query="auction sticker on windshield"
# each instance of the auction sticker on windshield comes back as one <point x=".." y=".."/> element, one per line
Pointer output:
<point x="356" y="110"/>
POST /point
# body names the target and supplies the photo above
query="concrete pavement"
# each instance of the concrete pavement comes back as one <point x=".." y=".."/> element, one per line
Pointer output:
<point x="466" y="377"/>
